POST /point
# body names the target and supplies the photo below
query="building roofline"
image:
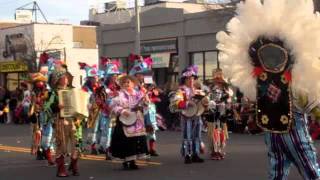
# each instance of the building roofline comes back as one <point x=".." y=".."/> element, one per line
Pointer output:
<point x="221" y="6"/>
<point x="54" y="24"/>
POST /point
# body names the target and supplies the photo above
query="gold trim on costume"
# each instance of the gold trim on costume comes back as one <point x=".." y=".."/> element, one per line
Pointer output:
<point x="282" y="65"/>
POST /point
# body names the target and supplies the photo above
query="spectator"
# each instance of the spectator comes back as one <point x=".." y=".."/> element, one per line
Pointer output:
<point x="13" y="102"/>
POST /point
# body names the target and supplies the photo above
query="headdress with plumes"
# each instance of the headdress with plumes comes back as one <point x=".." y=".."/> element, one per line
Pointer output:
<point x="190" y="71"/>
<point x="291" y="21"/>
<point x="112" y="66"/>
<point x="59" y="70"/>
<point x="141" y="65"/>
<point x="91" y="71"/>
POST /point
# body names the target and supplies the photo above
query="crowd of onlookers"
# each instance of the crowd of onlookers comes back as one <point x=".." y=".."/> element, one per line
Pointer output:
<point x="11" y="105"/>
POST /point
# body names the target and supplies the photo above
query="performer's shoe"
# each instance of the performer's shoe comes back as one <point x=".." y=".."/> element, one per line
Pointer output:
<point x="187" y="159"/>
<point x="152" y="147"/>
<point x="61" y="170"/>
<point x="94" y="149"/>
<point x="221" y="155"/>
<point x="197" y="159"/>
<point x="153" y="153"/>
<point x="101" y="150"/>
<point x="74" y="167"/>
<point x="215" y="156"/>
<point x="133" y="165"/>
<point x="125" y="165"/>
<point x="40" y="155"/>
<point x="49" y="157"/>
<point x="108" y="158"/>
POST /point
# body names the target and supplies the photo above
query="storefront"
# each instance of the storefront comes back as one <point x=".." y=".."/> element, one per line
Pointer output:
<point x="173" y="38"/>
<point x="12" y="73"/>
<point x="164" y="53"/>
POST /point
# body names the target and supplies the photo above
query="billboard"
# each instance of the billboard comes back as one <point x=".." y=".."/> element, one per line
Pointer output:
<point x="24" y="16"/>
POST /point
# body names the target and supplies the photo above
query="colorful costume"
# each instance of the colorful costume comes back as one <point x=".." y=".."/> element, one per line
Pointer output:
<point x="129" y="141"/>
<point x="216" y="118"/>
<point x="91" y="85"/>
<point x="191" y="126"/>
<point x="140" y="69"/>
<point x="280" y="60"/>
<point x="107" y="93"/>
<point x="39" y="116"/>
<point x="65" y="128"/>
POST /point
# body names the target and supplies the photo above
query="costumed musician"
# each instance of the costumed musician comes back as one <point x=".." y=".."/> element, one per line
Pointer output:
<point x="275" y="65"/>
<point x="91" y="85"/>
<point x="129" y="134"/>
<point x="107" y="92"/>
<point x="216" y="115"/>
<point x="42" y="129"/>
<point x="142" y="70"/>
<point x="65" y="128"/>
<point x="184" y="102"/>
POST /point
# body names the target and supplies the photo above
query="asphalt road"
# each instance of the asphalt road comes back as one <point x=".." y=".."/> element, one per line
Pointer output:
<point x="246" y="159"/>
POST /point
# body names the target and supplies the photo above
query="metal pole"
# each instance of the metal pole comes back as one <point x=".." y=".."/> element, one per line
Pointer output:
<point x="137" y="40"/>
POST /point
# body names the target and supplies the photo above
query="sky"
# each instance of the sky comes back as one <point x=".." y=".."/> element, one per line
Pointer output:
<point x="68" y="11"/>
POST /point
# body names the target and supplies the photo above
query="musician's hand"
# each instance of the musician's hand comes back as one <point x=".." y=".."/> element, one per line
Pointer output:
<point x="149" y="129"/>
<point x="125" y="113"/>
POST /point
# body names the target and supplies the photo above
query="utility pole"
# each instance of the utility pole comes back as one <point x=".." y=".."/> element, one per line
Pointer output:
<point x="137" y="27"/>
<point x="316" y="5"/>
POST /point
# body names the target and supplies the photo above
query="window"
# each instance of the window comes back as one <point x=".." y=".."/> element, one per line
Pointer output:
<point x="197" y="59"/>
<point x="206" y="62"/>
<point x="211" y="63"/>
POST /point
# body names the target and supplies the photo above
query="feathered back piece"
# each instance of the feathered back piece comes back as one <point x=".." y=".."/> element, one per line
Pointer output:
<point x="293" y="22"/>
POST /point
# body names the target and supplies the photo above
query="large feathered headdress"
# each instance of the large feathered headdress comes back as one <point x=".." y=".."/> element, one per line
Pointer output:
<point x="291" y="21"/>
<point x="112" y="66"/>
<point x="141" y="65"/>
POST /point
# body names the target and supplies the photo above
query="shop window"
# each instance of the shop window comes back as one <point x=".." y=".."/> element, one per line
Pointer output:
<point x="197" y="59"/>
<point x="206" y="62"/>
<point x="211" y="63"/>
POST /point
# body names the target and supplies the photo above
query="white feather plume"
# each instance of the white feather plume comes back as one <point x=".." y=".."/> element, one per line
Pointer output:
<point x="292" y="21"/>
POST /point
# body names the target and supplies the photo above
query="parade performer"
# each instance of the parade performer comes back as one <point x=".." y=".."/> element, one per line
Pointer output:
<point x="40" y="117"/>
<point x="65" y="128"/>
<point x="216" y="116"/>
<point x="129" y="135"/>
<point x="141" y="69"/>
<point x="271" y="52"/>
<point x="91" y="85"/>
<point x="184" y="102"/>
<point x="107" y="93"/>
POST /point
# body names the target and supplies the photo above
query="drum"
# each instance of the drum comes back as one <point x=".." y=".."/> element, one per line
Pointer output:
<point x="128" y="120"/>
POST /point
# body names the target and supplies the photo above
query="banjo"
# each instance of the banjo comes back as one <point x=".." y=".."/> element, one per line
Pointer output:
<point x="197" y="105"/>
<point x="128" y="120"/>
<point x="134" y="114"/>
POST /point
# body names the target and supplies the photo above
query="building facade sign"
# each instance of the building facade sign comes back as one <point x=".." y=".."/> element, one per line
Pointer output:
<point x="13" y="66"/>
<point x="160" y="60"/>
<point x="167" y="45"/>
